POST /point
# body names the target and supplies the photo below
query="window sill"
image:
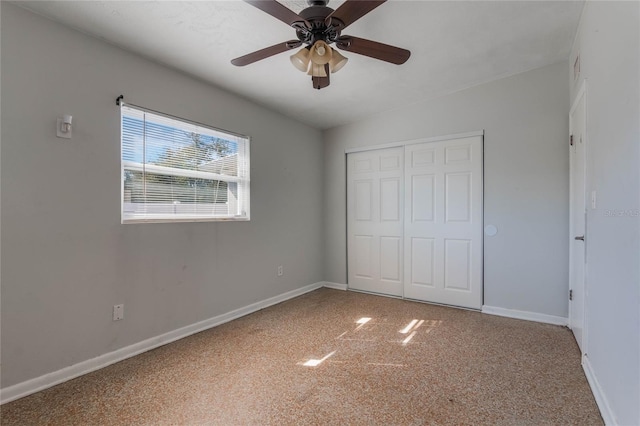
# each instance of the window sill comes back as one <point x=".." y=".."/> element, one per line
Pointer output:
<point x="184" y="220"/>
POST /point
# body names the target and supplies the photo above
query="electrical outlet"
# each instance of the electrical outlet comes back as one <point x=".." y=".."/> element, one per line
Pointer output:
<point x="280" y="271"/>
<point x="118" y="312"/>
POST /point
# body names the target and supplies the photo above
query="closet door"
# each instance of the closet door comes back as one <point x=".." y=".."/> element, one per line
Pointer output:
<point x="443" y="222"/>
<point x="374" y="220"/>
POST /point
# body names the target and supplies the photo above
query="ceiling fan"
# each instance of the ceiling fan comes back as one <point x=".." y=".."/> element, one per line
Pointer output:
<point x="317" y="27"/>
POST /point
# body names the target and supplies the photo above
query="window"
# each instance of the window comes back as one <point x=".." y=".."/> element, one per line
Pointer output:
<point x="177" y="171"/>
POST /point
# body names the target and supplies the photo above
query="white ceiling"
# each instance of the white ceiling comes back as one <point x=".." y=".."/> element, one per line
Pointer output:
<point x="453" y="44"/>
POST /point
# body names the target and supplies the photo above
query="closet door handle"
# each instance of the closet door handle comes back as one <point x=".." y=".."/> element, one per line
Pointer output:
<point x="581" y="238"/>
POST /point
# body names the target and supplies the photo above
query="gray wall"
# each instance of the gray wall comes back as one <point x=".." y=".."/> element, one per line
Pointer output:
<point x="66" y="259"/>
<point x="525" y="118"/>
<point x="608" y="42"/>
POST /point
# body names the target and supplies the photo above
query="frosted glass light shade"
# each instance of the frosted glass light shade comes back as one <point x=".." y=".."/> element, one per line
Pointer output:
<point x="316" y="70"/>
<point x="301" y="59"/>
<point x="337" y="61"/>
<point x="320" y="53"/>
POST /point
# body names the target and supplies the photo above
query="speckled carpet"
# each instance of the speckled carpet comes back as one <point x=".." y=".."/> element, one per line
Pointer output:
<point x="336" y="358"/>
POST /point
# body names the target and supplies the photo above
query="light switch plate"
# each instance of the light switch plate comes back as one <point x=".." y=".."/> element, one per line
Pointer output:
<point x="60" y="133"/>
<point x="118" y="312"/>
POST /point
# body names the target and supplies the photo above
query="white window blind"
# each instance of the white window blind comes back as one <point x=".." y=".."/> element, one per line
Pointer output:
<point x="174" y="170"/>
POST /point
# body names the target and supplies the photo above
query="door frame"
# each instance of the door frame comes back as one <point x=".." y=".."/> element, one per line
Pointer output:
<point x="582" y="93"/>
<point x="442" y="138"/>
<point x="414" y="141"/>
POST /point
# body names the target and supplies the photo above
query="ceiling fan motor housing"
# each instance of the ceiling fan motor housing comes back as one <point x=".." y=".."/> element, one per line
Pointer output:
<point x="316" y="16"/>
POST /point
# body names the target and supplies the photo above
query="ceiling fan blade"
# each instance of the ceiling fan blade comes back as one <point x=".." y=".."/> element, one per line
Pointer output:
<point x="320" y="82"/>
<point x="265" y="53"/>
<point x="278" y="11"/>
<point x="373" y="49"/>
<point x="352" y="10"/>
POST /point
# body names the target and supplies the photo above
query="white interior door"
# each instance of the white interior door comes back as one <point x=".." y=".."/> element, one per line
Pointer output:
<point x="443" y="222"/>
<point x="578" y="214"/>
<point x="374" y="220"/>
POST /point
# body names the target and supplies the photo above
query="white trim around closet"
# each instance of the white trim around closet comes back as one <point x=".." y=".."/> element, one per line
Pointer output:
<point x="415" y="141"/>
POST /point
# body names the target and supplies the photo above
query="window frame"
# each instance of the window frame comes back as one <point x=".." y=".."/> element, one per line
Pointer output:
<point x="243" y="179"/>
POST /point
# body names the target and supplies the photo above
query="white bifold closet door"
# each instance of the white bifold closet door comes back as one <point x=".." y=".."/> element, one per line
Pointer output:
<point x="443" y="222"/>
<point x="374" y="220"/>
<point x="414" y="218"/>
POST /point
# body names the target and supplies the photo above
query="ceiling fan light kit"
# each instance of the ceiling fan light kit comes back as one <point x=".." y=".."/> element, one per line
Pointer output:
<point x="319" y="54"/>
<point x="317" y="27"/>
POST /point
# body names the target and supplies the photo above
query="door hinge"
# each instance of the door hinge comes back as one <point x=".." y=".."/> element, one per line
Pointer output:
<point x="570" y="294"/>
<point x="571" y="140"/>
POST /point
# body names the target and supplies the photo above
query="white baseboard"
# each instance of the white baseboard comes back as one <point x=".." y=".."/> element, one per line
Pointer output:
<point x="48" y="380"/>
<point x="525" y="315"/>
<point x="335" y="286"/>
<point x="598" y="394"/>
